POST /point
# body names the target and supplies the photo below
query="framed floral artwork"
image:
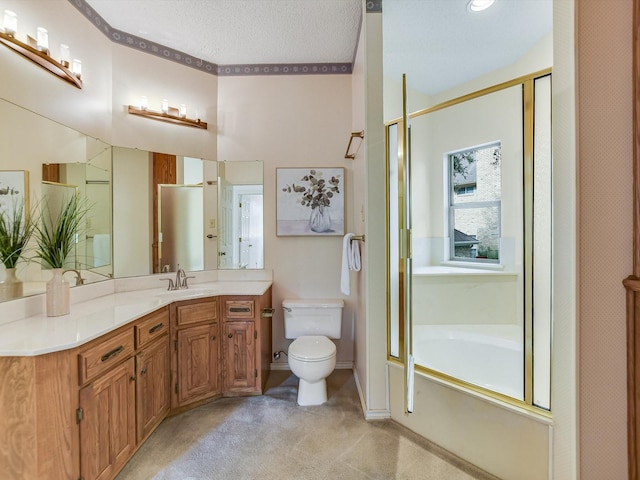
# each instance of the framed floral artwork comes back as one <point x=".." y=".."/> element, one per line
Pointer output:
<point x="310" y="201"/>
<point x="14" y="191"/>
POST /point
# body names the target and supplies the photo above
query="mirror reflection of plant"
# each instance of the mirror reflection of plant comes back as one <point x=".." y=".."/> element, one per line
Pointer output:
<point x="318" y="192"/>
<point x="56" y="232"/>
<point x="16" y="229"/>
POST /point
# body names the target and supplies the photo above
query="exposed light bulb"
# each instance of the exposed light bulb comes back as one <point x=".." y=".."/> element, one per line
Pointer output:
<point x="77" y="68"/>
<point x="10" y="23"/>
<point x="65" y="56"/>
<point x="165" y="105"/>
<point x="144" y="103"/>
<point x="42" y="39"/>
<point x="479" y="5"/>
<point x="183" y="111"/>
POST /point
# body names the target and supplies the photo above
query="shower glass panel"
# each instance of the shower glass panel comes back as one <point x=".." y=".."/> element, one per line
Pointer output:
<point x="468" y="320"/>
<point x="180" y="225"/>
<point x="542" y="243"/>
<point x="480" y="163"/>
<point x="392" y="257"/>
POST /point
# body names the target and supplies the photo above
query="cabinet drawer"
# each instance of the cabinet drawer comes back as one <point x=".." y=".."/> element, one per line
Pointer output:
<point x="102" y="356"/>
<point x="239" y="308"/>
<point x="152" y="326"/>
<point x="197" y="312"/>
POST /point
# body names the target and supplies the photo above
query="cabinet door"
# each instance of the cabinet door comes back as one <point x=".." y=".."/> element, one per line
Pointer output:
<point x="153" y="394"/>
<point x="108" y="430"/>
<point x="198" y="356"/>
<point x="239" y="353"/>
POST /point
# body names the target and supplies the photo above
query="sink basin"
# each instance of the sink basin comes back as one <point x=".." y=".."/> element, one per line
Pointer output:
<point x="188" y="293"/>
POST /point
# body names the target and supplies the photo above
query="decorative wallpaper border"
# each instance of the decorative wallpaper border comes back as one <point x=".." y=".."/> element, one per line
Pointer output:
<point x="168" y="53"/>
<point x="284" y="69"/>
<point x="374" y="6"/>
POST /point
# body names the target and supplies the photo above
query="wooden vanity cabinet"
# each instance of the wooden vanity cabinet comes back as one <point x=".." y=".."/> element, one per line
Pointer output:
<point x="83" y="412"/>
<point x="196" y="352"/>
<point x="153" y="372"/>
<point x="246" y="343"/>
<point x="124" y="394"/>
<point x="107" y="399"/>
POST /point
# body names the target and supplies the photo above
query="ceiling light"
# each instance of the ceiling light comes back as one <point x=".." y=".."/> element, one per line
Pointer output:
<point x="479" y="5"/>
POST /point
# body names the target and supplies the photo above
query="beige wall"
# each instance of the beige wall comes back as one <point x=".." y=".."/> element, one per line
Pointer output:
<point x="293" y="121"/>
<point x="136" y="74"/>
<point x="604" y="63"/>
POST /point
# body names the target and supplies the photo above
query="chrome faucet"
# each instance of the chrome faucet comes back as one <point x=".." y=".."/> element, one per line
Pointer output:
<point x="180" y="282"/>
<point x="180" y="278"/>
<point x="79" y="279"/>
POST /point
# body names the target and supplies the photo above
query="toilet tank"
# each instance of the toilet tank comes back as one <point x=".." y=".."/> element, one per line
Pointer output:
<point x="312" y="317"/>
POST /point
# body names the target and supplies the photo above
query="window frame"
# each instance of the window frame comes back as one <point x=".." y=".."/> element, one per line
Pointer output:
<point x="452" y="207"/>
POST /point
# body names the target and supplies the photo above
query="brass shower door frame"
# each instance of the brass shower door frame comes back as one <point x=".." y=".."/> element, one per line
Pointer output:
<point x="527" y="83"/>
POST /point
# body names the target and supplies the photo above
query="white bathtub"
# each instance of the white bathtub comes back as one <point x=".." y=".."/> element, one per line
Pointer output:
<point x="490" y="356"/>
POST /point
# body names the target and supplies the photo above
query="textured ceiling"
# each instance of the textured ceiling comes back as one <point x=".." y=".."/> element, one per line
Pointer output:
<point x="243" y="31"/>
<point x="437" y="43"/>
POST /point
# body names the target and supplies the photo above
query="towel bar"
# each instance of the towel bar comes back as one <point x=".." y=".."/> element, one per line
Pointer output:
<point x="358" y="237"/>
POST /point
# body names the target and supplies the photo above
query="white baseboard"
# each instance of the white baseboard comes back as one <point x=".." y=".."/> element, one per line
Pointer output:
<point x="369" y="414"/>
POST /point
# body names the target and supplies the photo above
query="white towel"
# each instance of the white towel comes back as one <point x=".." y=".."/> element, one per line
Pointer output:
<point x="350" y="261"/>
<point x="101" y="249"/>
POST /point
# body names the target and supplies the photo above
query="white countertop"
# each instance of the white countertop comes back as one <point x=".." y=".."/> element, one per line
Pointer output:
<point x="39" y="334"/>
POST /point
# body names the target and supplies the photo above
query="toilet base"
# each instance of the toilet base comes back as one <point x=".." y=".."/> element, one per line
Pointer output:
<point x="312" y="393"/>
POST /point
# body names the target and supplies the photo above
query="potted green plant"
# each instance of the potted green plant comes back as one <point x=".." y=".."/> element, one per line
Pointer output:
<point x="16" y="228"/>
<point x="55" y="235"/>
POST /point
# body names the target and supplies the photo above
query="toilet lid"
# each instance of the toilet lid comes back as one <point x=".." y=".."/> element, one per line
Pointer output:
<point x="312" y="348"/>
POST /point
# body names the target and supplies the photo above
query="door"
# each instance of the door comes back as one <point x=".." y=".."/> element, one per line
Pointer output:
<point x="108" y="430"/>
<point x="225" y="224"/>
<point x="198" y="375"/>
<point x="153" y="394"/>
<point x="239" y="354"/>
<point x="250" y="228"/>
<point x="181" y="231"/>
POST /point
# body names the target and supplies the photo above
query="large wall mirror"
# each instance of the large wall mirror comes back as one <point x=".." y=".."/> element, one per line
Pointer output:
<point x="125" y="233"/>
<point x="55" y="158"/>
<point x="183" y="212"/>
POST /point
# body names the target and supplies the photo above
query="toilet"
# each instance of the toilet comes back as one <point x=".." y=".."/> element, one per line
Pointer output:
<point x="312" y="356"/>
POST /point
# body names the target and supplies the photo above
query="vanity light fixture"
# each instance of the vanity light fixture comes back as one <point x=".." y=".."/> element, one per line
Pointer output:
<point x="167" y="114"/>
<point x="77" y="68"/>
<point x="351" y="153"/>
<point x="479" y="5"/>
<point x="37" y="50"/>
<point x="65" y="56"/>
<point x="42" y="40"/>
<point x="10" y="22"/>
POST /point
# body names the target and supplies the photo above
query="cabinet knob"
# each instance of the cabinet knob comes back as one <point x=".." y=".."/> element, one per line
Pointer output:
<point x="213" y="337"/>
<point x="143" y="371"/>
<point x="132" y="378"/>
<point x="230" y="335"/>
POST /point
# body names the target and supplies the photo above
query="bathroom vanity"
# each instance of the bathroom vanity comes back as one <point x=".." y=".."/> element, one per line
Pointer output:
<point x="80" y="394"/>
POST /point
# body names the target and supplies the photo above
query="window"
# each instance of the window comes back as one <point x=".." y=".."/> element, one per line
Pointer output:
<point x="474" y="203"/>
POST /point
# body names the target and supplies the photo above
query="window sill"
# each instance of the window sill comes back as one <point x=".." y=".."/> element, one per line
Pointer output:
<point x="461" y="268"/>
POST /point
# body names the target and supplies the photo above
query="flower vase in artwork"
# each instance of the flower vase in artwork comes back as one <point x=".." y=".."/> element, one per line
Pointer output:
<point x="58" y="292"/>
<point x="320" y="219"/>
<point x="11" y="286"/>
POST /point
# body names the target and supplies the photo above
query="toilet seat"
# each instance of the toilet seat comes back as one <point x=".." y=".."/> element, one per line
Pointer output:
<point x="312" y="348"/>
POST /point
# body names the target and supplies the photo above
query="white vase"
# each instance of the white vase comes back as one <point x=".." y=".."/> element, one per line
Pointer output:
<point x="320" y="219"/>
<point x="11" y="286"/>
<point x="58" y="292"/>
